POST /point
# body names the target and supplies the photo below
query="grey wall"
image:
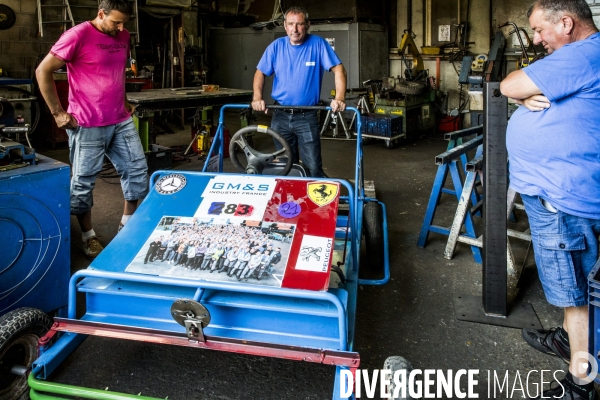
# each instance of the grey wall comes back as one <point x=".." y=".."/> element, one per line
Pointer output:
<point x="20" y="45"/>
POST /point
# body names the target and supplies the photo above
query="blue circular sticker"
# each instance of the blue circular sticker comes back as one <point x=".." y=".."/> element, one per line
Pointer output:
<point x="289" y="209"/>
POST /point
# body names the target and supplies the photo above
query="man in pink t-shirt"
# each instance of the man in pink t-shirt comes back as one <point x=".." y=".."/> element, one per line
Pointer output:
<point x="98" y="120"/>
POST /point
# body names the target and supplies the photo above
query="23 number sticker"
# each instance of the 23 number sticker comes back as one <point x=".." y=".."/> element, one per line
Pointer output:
<point x="237" y="210"/>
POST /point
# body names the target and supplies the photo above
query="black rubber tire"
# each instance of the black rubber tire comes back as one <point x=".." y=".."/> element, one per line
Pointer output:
<point x="20" y="330"/>
<point x="373" y="232"/>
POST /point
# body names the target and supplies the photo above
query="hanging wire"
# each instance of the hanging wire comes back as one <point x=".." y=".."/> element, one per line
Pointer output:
<point x="276" y="18"/>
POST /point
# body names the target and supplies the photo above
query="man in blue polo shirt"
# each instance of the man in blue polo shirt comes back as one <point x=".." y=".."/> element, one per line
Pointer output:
<point x="298" y="62"/>
<point x="553" y="143"/>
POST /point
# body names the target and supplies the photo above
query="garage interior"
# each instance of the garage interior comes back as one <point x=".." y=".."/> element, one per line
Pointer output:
<point x="185" y="45"/>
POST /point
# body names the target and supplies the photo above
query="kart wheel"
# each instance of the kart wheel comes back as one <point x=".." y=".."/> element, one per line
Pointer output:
<point x="397" y="363"/>
<point x="373" y="231"/>
<point x="20" y="330"/>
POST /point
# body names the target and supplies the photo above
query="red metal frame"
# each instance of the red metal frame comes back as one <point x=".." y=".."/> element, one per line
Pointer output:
<point x="347" y="359"/>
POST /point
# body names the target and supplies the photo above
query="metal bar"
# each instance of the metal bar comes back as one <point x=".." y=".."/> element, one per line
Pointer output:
<point x="459" y="216"/>
<point x="475" y="130"/>
<point x="475" y="164"/>
<point x="342" y="358"/>
<point x="456" y="152"/>
<point x="37" y="385"/>
<point x="494" y="206"/>
<point x="469" y="225"/>
<point x="434" y="198"/>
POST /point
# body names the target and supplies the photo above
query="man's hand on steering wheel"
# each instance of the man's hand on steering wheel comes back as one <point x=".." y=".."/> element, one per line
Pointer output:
<point x="337" y="105"/>
<point x="259" y="105"/>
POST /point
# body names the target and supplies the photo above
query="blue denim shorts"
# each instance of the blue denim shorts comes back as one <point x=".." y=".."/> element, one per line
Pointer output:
<point x="121" y="144"/>
<point x="566" y="250"/>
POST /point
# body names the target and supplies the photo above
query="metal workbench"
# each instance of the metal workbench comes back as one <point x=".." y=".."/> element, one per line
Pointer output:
<point x="149" y="101"/>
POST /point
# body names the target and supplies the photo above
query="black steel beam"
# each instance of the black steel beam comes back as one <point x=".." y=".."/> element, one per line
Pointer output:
<point x="495" y="183"/>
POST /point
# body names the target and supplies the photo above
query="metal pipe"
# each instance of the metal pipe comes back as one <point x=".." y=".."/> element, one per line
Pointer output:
<point x="456" y="152"/>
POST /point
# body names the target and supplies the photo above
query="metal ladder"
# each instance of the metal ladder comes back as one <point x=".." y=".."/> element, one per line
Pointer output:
<point x="66" y="15"/>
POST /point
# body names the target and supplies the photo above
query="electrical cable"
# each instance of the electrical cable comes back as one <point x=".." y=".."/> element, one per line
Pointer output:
<point x="276" y="18"/>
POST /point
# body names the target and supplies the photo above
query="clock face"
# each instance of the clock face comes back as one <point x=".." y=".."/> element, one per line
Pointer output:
<point x="170" y="184"/>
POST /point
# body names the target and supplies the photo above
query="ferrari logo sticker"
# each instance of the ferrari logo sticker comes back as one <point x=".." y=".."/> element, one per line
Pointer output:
<point x="322" y="193"/>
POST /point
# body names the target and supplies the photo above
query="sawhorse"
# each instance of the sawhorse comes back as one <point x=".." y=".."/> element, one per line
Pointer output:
<point x="474" y="171"/>
<point x="448" y="162"/>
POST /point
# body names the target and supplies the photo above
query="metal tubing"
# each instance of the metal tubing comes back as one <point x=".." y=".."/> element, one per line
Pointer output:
<point x="494" y="206"/>
<point x="475" y="130"/>
<point x="73" y="391"/>
<point x="240" y="346"/>
<point x="475" y="164"/>
<point x="271" y="291"/>
<point x="456" y="152"/>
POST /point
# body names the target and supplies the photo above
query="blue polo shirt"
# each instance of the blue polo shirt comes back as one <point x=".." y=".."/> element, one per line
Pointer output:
<point x="555" y="153"/>
<point x="298" y="69"/>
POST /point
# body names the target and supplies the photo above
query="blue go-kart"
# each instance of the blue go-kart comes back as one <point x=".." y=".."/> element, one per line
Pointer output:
<point x="265" y="262"/>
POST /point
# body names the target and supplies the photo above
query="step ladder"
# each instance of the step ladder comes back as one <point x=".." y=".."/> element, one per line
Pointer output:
<point x="453" y="162"/>
<point x="62" y="15"/>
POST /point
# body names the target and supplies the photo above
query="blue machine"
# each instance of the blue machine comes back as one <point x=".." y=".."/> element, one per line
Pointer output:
<point x="34" y="234"/>
<point x="141" y="289"/>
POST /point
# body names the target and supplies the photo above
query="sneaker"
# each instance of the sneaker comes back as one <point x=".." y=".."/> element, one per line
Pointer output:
<point x="121" y="226"/>
<point x="566" y="391"/>
<point x="554" y="342"/>
<point x="92" y="247"/>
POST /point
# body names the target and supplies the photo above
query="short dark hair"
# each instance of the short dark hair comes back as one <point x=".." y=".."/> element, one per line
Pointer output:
<point x="296" y="10"/>
<point x="123" y="6"/>
<point x="555" y="9"/>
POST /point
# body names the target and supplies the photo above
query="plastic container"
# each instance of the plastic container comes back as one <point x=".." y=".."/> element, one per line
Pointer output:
<point x="159" y="157"/>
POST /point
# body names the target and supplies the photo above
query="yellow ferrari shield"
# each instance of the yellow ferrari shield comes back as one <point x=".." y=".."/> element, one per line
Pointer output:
<point x="322" y="193"/>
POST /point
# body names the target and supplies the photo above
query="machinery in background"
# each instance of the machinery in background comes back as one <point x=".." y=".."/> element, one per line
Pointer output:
<point x="411" y="97"/>
<point x="35" y="247"/>
<point x="474" y="71"/>
<point x="16" y="103"/>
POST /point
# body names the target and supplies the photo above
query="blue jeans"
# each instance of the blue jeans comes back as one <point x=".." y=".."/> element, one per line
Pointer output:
<point x="121" y="144"/>
<point x="566" y="250"/>
<point x="301" y="130"/>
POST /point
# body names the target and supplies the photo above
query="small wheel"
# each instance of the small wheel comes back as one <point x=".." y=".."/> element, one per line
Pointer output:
<point x="390" y="144"/>
<point x="20" y="331"/>
<point x="373" y="231"/>
<point x="256" y="160"/>
<point x="393" y="364"/>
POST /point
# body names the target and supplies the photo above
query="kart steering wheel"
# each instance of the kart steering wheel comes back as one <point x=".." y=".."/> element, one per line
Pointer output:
<point x="257" y="160"/>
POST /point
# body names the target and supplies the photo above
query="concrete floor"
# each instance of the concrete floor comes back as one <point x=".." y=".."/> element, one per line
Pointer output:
<point x="412" y="316"/>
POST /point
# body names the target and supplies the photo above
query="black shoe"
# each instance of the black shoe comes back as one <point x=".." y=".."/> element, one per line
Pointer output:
<point x="566" y="391"/>
<point x="554" y="342"/>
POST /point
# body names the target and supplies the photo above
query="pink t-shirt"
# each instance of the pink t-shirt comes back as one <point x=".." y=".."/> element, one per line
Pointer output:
<point x="96" y="72"/>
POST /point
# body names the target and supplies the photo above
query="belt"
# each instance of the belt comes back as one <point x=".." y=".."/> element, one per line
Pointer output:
<point x="293" y="110"/>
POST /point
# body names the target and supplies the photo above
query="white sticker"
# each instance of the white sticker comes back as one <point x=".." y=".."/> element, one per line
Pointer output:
<point x="262" y="128"/>
<point x="236" y="198"/>
<point x="213" y="164"/>
<point x="310" y="64"/>
<point x="315" y="253"/>
<point x="170" y="184"/>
